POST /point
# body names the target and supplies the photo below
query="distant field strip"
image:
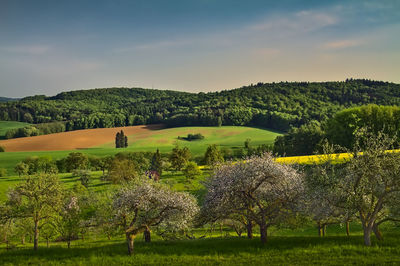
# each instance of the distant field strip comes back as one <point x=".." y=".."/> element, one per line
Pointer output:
<point x="8" y="125"/>
<point x="71" y="140"/>
<point x="311" y="159"/>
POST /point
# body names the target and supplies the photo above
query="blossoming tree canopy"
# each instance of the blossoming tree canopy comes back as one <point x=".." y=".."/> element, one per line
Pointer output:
<point x="258" y="188"/>
<point x="143" y="206"/>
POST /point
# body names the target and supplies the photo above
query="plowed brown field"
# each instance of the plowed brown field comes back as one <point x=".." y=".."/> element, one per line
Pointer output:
<point x="71" y="140"/>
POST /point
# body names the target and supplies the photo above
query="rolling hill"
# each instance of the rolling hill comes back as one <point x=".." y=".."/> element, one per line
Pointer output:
<point x="278" y="106"/>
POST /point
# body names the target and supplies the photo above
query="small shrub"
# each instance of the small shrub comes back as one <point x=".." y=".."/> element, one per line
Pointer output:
<point x="3" y="172"/>
<point x="2" y="149"/>
<point x="191" y="137"/>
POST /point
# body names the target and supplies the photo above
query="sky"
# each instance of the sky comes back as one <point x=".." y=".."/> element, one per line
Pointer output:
<point x="193" y="45"/>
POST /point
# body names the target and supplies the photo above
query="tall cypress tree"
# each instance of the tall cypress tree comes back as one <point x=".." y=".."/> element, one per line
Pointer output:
<point x="118" y="140"/>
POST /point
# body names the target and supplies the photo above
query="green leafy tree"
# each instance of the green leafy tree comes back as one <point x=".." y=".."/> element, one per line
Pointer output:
<point x="37" y="198"/>
<point x="76" y="160"/>
<point x="179" y="157"/>
<point x="156" y="162"/>
<point x="122" y="171"/>
<point x="21" y="169"/>
<point x="213" y="155"/>
<point x="191" y="170"/>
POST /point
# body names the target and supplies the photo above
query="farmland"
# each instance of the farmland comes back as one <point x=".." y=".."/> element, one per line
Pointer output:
<point x="100" y="142"/>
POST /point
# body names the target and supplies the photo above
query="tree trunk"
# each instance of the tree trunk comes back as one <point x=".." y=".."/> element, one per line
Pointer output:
<point x="367" y="235"/>
<point x="319" y="229"/>
<point x="23" y="240"/>
<point x="47" y="242"/>
<point x="263" y="233"/>
<point x="324" y="230"/>
<point x="377" y="232"/>
<point x="220" y="229"/>
<point x="249" y="227"/>
<point x="147" y="235"/>
<point x="36" y="236"/>
<point x="347" y="228"/>
<point x="69" y="243"/>
<point x="130" y="242"/>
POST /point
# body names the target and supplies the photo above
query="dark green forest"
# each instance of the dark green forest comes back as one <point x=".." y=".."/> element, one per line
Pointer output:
<point x="280" y="106"/>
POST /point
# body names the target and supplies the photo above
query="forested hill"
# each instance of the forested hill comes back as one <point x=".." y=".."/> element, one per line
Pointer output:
<point x="5" y="99"/>
<point x="272" y="105"/>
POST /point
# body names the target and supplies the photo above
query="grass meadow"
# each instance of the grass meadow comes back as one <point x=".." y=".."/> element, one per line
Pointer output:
<point x="284" y="247"/>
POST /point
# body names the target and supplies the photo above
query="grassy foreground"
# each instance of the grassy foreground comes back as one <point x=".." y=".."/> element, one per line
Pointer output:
<point x="282" y="249"/>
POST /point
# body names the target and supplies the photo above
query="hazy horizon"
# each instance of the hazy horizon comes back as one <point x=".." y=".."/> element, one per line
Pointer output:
<point x="52" y="46"/>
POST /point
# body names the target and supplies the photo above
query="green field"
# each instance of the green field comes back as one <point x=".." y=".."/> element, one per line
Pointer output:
<point x="284" y="247"/>
<point x="227" y="136"/>
<point x="7" y="125"/>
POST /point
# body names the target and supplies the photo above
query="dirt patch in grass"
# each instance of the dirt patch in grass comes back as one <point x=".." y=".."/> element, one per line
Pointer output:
<point x="78" y="139"/>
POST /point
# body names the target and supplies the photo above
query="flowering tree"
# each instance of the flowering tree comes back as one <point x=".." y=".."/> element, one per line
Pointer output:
<point x="323" y="198"/>
<point x="259" y="188"/>
<point x="143" y="206"/>
<point x="371" y="182"/>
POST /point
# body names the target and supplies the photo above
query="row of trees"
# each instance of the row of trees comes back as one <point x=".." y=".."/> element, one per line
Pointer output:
<point x="36" y="130"/>
<point x="279" y="106"/>
<point x="259" y="190"/>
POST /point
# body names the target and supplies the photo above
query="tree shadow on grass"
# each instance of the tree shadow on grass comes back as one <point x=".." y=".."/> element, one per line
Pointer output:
<point x="231" y="246"/>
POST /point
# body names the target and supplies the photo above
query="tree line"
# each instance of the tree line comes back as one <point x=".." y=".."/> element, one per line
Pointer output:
<point x="339" y="130"/>
<point x="280" y="106"/>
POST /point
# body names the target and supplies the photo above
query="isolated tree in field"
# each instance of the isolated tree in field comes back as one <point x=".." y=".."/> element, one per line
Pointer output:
<point x="179" y="157"/>
<point x="36" y="198"/>
<point x="156" y="163"/>
<point x="191" y="170"/>
<point x="259" y="187"/>
<point x="21" y="169"/>
<point x="213" y="155"/>
<point x="121" y="141"/>
<point x="371" y="181"/>
<point x="140" y="207"/>
<point x="76" y="160"/>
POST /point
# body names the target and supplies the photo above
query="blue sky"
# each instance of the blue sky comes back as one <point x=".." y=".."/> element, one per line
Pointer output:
<point x="203" y="45"/>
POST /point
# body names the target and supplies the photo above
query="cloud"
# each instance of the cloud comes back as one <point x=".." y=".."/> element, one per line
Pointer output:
<point x="27" y="49"/>
<point x="303" y="21"/>
<point x="342" y="44"/>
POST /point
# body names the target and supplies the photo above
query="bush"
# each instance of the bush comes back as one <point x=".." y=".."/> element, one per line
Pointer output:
<point x="191" y="137"/>
<point x="2" y="149"/>
<point x="3" y="172"/>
